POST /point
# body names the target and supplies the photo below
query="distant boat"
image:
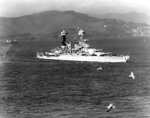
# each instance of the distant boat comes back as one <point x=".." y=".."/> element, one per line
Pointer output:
<point x="11" y="41"/>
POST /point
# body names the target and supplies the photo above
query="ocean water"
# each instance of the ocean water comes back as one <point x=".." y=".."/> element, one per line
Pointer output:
<point x="32" y="88"/>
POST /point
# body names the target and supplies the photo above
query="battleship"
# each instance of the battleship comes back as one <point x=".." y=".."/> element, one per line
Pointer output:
<point x="81" y="52"/>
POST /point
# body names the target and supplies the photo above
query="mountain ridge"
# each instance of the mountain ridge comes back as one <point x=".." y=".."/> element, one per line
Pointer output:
<point x="46" y="22"/>
<point x="52" y="22"/>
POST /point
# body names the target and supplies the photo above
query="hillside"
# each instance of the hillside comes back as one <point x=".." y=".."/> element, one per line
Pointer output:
<point x="50" y="23"/>
<point x="128" y="17"/>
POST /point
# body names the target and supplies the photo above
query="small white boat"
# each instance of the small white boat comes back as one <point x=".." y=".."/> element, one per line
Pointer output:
<point x="11" y="41"/>
<point x="81" y="53"/>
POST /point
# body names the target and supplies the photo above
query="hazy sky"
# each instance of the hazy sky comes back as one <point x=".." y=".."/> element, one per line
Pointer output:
<point x="23" y="7"/>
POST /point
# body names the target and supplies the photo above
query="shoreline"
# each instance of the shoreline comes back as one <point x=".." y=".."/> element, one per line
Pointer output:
<point x="4" y="48"/>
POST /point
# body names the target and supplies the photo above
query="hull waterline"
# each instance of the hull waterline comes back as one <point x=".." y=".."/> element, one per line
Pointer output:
<point x="112" y="59"/>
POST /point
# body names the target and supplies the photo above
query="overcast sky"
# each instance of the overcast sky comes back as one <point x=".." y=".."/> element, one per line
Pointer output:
<point x="11" y="8"/>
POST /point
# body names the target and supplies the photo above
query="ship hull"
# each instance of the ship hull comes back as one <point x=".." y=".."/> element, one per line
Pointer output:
<point x="111" y="59"/>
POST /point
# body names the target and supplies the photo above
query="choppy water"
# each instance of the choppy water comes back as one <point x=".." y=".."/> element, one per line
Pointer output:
<point x="31" y="88"/>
